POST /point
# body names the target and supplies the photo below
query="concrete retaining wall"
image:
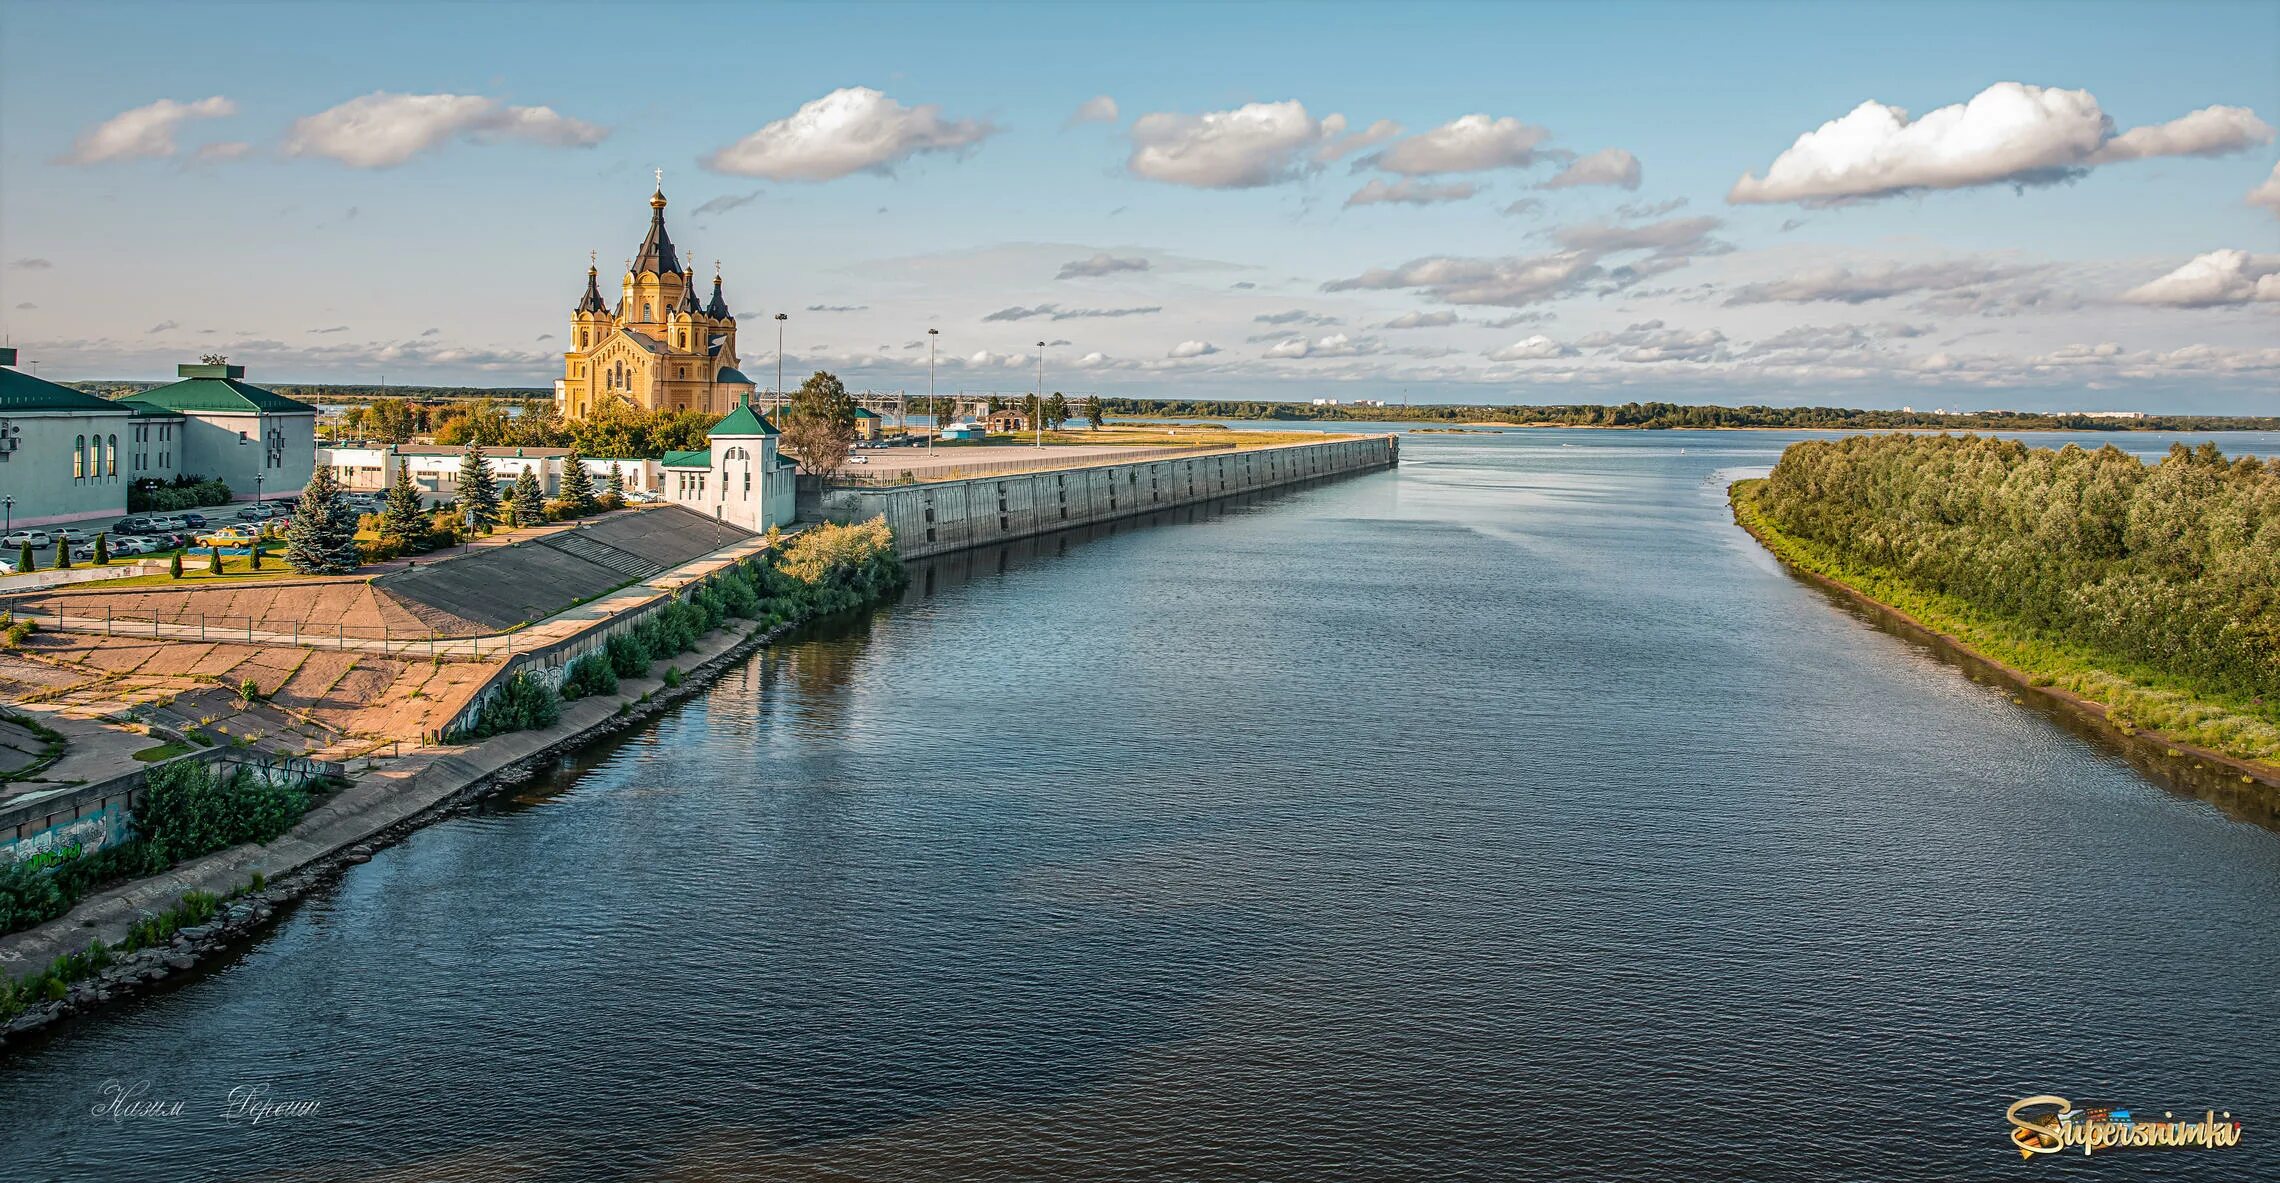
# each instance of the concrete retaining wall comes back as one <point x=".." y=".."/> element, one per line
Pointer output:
<point x="83" y="819"/>
<point x="936" y="518"/>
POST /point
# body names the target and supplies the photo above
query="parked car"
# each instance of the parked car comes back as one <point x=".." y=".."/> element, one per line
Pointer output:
<point x="31" y="538"/>
<point x="172" y="540"/>
<point x="75" y="537"/>
<point x="168" y="525"/>
<point x="196" y="521"/>
<point x="138" y="544"/>
<point x="83" y="554"/>
<point x="133" y="525"/>
<point x="8" y="567"/>
<point x="229" y="536"/>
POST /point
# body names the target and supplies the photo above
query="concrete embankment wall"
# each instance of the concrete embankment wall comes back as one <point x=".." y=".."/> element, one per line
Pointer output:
<point x="83" y="819"/>
<point x="936" y="518"/>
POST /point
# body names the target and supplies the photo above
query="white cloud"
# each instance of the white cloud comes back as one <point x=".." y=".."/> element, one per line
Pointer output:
<point x="1338" y="147"/>
<point x="1474" y="143"/>
<point x="1334" y="345"/>
<point x="2010" y="133"/>
<point x="1652" y="341"/>
<point x="1608" y="166"/>
<point x="1192" y="349"/>
<point x="1410" y="192"/>
<point x="1056" y="312"/>
<point x="1421" y="320"/>
<point x="2213" y="279"/>
<point x="1097" y="109"/>
<point x="143" y="132"/>
<point x="381" y="130"/>
<point x="1536" y="348"/>
<point x="1299" y="316"/>
<point x="1516" y="281"/>
<point x="1850" y="285"/>
<point x="2210" y="131"/>
<point x="1524" y="207"/>
<point x="2268" y="193"/>
<point x="853" y="129"/>
<point x="1254" y="144"/>
<point x="1102" y="263"/>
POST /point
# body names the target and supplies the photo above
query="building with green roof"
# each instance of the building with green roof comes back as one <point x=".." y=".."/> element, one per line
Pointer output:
<point x="68" y="456"/>
<point x="257" y="441"/>
<point x="740" y="479"/>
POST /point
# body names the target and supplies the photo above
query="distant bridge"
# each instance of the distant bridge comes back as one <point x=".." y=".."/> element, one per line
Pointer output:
<point x="895" y="405"/>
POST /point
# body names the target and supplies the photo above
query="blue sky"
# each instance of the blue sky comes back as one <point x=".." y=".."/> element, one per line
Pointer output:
<point x="1981" y="261"/>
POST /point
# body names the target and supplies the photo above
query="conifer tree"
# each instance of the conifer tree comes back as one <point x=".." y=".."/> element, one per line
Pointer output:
<point x="213" y="560"/>
<point x="322" y="538"/>
<point x="578" y="485"/>
<point x="24" y="559"/>
<point x="616" y="485"/>
<point x="478" y="488"/>
<point x="62" y="553"/>
<point x="174" y="566"/>
<point x="102" y="550"/>
<point x="401" y="514"/>
<point x="530" y="500"/>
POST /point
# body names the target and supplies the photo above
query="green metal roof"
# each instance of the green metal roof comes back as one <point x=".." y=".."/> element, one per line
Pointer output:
<point x="864" y="413"/>
<point x="223" y="395"/>
<point x="21" y="392"/>
<point x="732" y="374"/>
<point x="743" y="421"/>
<point x="688" y="460"/>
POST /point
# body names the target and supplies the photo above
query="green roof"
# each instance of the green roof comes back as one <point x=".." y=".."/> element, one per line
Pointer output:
<point x="688" y="459"/>
<point x="224" y="395"/>
<point x="743" y="421"/>
<point x="864" y="413"/>
<point x="732" y="374"/>
<point x="21" y="392"/>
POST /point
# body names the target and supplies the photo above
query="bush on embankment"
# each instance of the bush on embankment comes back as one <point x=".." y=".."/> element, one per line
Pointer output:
<point x="821" y="571"/>
<point x="189" y="808"/>
<point x="2152" y="589"/>
<point x="51" y="984"/>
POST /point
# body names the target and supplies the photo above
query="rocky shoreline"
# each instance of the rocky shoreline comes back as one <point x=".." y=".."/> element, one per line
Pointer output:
<point x="242" y="919"/>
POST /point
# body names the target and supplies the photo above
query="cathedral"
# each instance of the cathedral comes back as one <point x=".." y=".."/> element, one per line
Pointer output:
<point x="660" y="349"/>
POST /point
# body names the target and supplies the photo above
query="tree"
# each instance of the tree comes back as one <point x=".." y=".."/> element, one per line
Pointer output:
<point x="1092" y="411"/>
<point x="213" y="560"/>
<point x="322" y="538"/>
<point x="174" y="565"/>
<point x="215" y="359"/>
<point x="578" y="485"/>
<point x="615" y="484"/>
<point x="62" y="553"/>
<point x="1056" y="410"/>
<point x="1032" y="409"/>
<point x="102" y="550"/>
<point x="530" y="500"/>
<point x="478" y="488"/>
<point x="401" y="515"/>
<point x="819" y="425"/>
<point x="24" y="560"/>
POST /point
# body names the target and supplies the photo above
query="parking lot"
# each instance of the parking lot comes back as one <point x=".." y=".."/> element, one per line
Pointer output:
<point x="143" y="535"/>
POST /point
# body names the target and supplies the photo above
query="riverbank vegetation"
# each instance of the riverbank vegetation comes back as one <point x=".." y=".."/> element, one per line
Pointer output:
<point x="188" y="808"/>
<point x="820" y="571"/>
<point x="1661" y="416"/>
<point x="2153" y="590"/>
<point x="53" y="983"/>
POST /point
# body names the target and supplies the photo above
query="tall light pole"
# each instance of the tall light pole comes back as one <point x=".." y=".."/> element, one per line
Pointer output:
<point x="1040" y="424"/>
<point x="933" y="408"/>
<point x="780" y="319"/>
<point x="9" y="526"/>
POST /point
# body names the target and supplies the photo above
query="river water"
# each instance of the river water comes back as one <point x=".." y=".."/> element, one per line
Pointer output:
<point x="1509" y="815"/>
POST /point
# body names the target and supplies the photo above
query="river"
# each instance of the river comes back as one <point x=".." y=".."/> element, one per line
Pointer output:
<point x="1507" y="815"/>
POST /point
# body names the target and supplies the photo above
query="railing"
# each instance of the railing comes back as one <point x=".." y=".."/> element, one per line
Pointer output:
<point x="248" y="630"/>
<point x="998" y="467"/>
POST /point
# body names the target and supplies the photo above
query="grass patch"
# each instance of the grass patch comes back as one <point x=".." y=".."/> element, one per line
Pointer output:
<point x="164" y="751"/>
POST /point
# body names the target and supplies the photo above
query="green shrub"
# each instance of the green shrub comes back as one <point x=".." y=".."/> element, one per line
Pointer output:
<point x="523" y="703"/>
<point x="672" y="675"/>
<point x="629" y="658"/>
<point x="589" y="675"/>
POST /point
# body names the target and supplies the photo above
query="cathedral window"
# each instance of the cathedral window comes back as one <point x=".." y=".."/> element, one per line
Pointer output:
<point x="645" y="312"/>
<point x="79" y="459"/>
<point x="111" y="458"/>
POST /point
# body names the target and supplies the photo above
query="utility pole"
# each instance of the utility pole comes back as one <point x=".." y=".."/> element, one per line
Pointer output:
<point x="933" y="408"/>
<point x="1040" y="424"/>
<point x="780" y="319"/>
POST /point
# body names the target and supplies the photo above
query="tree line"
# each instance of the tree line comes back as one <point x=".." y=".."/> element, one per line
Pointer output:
<point x="1664" y="416"/>
<point x="2172" y="567"/>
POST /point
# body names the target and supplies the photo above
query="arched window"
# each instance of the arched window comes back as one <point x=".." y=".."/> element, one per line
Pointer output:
<point x="79" y="459"/>
<point x="111" y="461"/>
<point x="645" y="312"/>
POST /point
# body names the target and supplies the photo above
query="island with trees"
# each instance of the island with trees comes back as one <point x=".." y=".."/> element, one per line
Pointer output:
<point x="2149" y="592"/>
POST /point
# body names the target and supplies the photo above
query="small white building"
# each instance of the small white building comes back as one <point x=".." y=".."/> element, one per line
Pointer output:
<point x="256" y="441"/>
<point x="435" y="469"/>
<point x="740" y="479"/>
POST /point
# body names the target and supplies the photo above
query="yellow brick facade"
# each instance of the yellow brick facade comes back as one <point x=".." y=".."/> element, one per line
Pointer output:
<point x="663" y="347"/>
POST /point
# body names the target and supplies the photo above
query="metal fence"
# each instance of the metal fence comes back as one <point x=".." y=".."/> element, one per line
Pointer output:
<point x="911" y="476"/>
<point x="248" y="630"/>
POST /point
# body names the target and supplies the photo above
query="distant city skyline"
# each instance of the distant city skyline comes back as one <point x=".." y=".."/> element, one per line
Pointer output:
<point x="2028" y="206"/>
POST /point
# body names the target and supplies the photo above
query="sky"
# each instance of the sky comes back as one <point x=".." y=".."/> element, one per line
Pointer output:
<point x="2055" y="207"/>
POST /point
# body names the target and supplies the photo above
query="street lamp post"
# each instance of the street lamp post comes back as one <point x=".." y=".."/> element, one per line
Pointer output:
<point x="1040" y="424"/>
<point x="933" y="408"/>
<point x="780" y="319"/>
<point x="9" y="527"/>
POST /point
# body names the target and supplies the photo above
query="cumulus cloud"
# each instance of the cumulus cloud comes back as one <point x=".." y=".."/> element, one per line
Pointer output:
<point x="1192" y="349"/>
<point x="1521" y="318"/>
<point x="1056" y="312"/>
<point x="2268" y="193"/>
<point x="1652" y="341"/>
<point x="1608" y="166"/>
<point x="1410" y="192"/>
<point x="31" y="264"/>
<point x="1518" y="281"/>
<point x="1421" y="320"/>
<point x="1253" y="145"/>
<point x="2214" y="279"/>
<point x="1296" y="316"/>
<point x="142" y="132"/>
<point x="1850" y="285"/>
<point x="853" y="129"/>
<point x="1338" y="147"/>
<point x="1102" y="263"/>
<point x="1684" y="236"/>
<point x="1830" y="339"/>
<point x="1334" y="345"/>
<point x="381" y="130"/>
<point x="1536" y="348"/>
<point x="1097" y="109"/>
<point x="1474" y="143"/>
<point x="2008" y="134"/>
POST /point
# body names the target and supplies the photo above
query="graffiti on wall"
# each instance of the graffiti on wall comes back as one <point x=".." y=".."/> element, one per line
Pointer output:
<point x="68" y="840"/>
